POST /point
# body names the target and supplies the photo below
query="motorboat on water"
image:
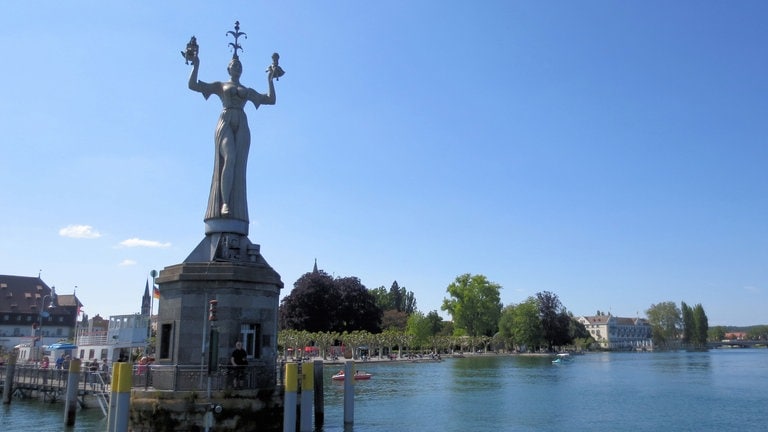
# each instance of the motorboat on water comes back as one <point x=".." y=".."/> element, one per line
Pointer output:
<point x="562" y="358"/>
<point x="359" y="375"/>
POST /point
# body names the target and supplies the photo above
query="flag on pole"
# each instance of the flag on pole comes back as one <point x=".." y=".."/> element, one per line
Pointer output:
<point x="156" y="292"/>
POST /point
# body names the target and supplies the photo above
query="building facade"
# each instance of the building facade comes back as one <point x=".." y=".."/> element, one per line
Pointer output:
<point x="32" y="314"/>
<point x="617" y="333"/>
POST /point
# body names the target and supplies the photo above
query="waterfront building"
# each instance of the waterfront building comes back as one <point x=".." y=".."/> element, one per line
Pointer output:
<point x="32" y="314"/>
<point x="617" y="333"/>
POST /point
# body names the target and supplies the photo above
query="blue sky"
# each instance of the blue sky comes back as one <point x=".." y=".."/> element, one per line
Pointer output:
<point x="613" y="153"/>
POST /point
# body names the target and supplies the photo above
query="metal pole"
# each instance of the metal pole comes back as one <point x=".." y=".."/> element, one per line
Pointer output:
<point x="307" y="396"/>
<point x="289" y="403"/>
<point x="349" y="392"/>
<point x="120" y="411"/>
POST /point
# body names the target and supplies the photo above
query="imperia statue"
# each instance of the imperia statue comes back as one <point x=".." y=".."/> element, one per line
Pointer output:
<point x="228" y="198"/>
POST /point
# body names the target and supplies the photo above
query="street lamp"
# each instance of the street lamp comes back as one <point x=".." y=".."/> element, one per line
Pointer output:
<point x="43" y="314"/>
<point x="154" y="274"/>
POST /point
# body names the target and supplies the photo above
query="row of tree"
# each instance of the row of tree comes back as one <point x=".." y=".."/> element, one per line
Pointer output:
<point x="673" y="326"/>
<point x="320" y="303"/>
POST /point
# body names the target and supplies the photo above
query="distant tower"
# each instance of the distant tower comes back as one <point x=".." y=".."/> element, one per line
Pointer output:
<point x="146" y="301"/>
<point x="314" y="270"/>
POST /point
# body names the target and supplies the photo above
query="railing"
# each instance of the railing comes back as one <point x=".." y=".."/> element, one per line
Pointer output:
<point x="160" y="377"/>
<point x="52" y="381"/>
<point x="195" y="378"/>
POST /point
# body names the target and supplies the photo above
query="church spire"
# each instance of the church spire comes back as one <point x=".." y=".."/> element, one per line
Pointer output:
<point x="314" y="270"/>
<point x="146" y="300"/>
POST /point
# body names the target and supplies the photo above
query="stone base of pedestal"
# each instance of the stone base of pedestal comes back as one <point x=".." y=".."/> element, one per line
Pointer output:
<point x="241" y="411"/>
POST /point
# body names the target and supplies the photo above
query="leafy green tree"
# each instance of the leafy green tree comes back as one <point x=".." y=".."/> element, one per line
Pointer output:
<point x="665" y="320"/>
<point x="475" y="304"/>
<point x="435" y="323"/>
<point x="397" y="298"/>
<point x="700" y="325"/>
<point x="381" y="295"/>
<point x="716" y="333"/>
<point x="758" y="332"/>
<point x="419" y="328"/>
<point x="520" y="325"/>
<point x="688" y="325"/>
<point x="507" y="326"/>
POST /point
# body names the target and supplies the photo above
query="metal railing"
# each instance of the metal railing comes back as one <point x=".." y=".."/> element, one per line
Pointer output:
<point x="160" y="377"/>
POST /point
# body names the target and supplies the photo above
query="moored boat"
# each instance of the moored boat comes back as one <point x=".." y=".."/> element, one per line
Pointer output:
<point x="359" y="375"/>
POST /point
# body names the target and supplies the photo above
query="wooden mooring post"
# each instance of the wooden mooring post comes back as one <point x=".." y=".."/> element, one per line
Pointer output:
<point x="70" y="404"/>
<point x="9" y="373"/>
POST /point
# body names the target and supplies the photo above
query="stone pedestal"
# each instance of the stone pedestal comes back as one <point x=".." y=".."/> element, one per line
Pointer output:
<point x="229" y="269"/>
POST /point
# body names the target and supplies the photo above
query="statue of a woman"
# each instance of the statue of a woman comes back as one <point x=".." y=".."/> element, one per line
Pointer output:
<point x="232" y="140"/>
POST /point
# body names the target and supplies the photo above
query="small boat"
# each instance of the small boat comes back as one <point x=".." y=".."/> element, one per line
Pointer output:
<point x="562" y="358"/>
<point x="359" y="375"/>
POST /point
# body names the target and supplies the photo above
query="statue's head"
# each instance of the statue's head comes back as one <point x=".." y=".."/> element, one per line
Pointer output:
<point x="235" y="68"/>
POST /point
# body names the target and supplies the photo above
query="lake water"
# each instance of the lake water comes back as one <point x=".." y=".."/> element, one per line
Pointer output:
<point x="719" y="390"/>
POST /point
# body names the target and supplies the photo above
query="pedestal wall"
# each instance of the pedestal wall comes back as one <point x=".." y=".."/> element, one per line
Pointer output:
<point x="248" y="299"/>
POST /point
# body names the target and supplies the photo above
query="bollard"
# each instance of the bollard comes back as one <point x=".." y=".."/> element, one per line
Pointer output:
<point x="307" y="397"/>
<point x="349" y="392"/>
<point x="319" y="402"/>
<point x="289" y="405"/>
<point x="70" y="403"/>
<point x="120" y="397"/>
<point x="10" y="371"/>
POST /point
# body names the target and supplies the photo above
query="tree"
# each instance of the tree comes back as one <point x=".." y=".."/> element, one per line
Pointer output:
<point x="758" y="332"/>
<point x="382" y="298"/>
<point x="311" y="304"/>
<point x="716" y="333"/>
<point x="392" y="319"/>
<point x="665" y="320"/>
<point x="701" y="326"/>
<point x="418" y="327"/>
<point x="319" y="303"/>
<point x="435" y="323"/>
<point x="357" y="309"/>
<point x="688" y="325"/>
<point x="475" y="304"/>
<point x="555" y="321"/>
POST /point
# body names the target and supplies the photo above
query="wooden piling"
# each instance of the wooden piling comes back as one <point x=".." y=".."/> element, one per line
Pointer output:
<point x="349" y="392"/>
<point x="70" y="403"/>
<point x="10" y="370"/>
<point x="319" y="396"/>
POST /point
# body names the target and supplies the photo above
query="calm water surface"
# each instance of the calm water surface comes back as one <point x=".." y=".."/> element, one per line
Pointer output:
<point x="719" y="390"/>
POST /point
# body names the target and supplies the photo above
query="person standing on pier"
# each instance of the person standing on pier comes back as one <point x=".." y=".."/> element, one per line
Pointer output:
<point x="239" y="361"/>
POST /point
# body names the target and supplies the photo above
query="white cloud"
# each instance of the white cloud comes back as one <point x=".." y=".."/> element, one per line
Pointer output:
<point x="137" y="242"/>
<point x="127" y="263"/>
<point x="79" y="231"/>
<point x="752" y="289"/>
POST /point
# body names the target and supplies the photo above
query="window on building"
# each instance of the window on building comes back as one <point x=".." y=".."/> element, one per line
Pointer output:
<point x="250" y="334"/>
<point x="166" y="333"/>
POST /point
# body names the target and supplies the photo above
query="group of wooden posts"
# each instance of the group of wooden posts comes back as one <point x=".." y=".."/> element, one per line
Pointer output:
<point x="119" y="400"/>
<point x="310" y="381"/>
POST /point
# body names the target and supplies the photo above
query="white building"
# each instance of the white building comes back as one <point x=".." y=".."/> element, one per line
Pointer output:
<point x="616" y="333"/>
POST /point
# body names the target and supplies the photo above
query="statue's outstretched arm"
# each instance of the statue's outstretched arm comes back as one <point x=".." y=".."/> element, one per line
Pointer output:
<point x="201" y="86"/>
